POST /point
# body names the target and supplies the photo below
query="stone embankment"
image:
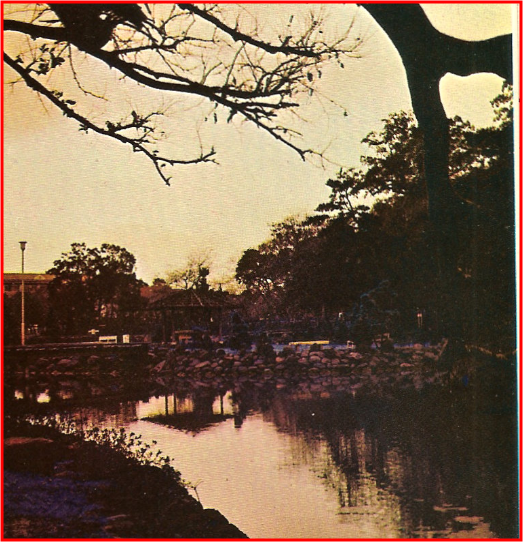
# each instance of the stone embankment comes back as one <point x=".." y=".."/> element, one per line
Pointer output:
<point x="413" y="365"/>
<point x="407" y="365"/>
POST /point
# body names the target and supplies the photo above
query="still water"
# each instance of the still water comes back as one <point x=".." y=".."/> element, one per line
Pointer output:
<point x="325" y="460"/>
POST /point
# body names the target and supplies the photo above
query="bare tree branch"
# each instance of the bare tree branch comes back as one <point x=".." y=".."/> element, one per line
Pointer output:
<point x="236" y="35"/>
<point x="174" y="50"/>
<point x="111" y="130"/>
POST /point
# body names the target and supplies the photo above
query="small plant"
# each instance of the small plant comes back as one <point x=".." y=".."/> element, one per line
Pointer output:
<point x="129" y="445"/>
<point x="193" y="486"/>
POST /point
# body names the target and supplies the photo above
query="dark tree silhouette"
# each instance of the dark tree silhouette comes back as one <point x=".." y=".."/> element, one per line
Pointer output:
<point x="250" y="76"/>
<point x="427" y="56"/>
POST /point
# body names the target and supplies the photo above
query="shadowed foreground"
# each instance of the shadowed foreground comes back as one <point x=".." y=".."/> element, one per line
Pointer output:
<point x="56" y="486"/>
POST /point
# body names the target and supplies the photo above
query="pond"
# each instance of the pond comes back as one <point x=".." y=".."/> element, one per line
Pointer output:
<point x="313" y="460"/>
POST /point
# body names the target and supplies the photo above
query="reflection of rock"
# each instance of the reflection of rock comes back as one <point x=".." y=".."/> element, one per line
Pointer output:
<point x="448" y="508"/>
<point x="467" y="522"/>
<point x="67" y="363"/>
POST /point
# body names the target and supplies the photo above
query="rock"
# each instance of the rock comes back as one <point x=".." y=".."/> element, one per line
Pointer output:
<point x="468" y="520"/>
<point x="67" y="363"/>
<point x="26" y="454"/>
<point x="158" y="368"/>
<point x="92" y="360"/>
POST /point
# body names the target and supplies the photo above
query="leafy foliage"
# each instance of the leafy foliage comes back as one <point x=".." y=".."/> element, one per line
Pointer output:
<point x="93" y="286"/>
<point x="372" y="255"/>
<point x="193" y="276"/>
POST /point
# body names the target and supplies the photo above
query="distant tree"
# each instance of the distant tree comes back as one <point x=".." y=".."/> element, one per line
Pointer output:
<point x="193" y="276"/>
<point x="92" y="285"/>
<point x="36" y="308"/>
<point x="268" y="271"/>
<point x="226" y="282"/>
<point x="253" y="271"/>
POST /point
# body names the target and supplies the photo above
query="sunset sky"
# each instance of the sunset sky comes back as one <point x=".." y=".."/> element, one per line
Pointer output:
<point x="62" y="186"/>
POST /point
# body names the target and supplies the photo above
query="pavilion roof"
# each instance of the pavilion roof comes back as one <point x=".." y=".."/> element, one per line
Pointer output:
<point x="167" y="298"/>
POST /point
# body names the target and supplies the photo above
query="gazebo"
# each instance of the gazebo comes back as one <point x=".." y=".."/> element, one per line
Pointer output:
<point x="181" y="313"/>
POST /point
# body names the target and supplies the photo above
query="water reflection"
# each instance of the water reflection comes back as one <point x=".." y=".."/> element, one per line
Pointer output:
<point x="193" y="414"/>
<point x="308" y="459"/>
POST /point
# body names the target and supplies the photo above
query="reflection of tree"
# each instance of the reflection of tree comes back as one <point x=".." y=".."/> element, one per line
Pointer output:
<point x="428" y="450"/>
<point x="247" y="398"/>
<point x="191" y="411"/>
<point x="411" y="458"/>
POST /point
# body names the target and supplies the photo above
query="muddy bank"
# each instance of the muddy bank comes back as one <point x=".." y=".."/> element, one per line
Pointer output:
<point x="57" y="486"/>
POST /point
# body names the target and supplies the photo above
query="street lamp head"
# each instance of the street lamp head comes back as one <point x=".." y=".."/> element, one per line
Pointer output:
<point x="22" y="245"/>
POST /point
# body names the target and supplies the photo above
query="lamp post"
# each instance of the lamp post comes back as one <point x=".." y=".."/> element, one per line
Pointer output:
<point x="22" y="327"/>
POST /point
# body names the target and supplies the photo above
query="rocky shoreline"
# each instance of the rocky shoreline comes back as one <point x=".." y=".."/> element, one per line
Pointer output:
<point x="57" y="486"/>
<point x="402" y="365"/>
<point x="169" y="361"/>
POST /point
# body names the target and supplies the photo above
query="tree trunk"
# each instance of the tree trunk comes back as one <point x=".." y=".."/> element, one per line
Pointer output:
<point x="427" y="56"/>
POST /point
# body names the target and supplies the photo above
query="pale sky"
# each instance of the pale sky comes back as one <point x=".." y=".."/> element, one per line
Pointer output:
<point x="62" y="186"/>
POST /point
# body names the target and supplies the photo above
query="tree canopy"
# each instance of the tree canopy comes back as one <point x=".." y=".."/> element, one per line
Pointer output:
<point x="92" y="286"/>
<point x="193" y="276"/>
<point x="370" y="255"/>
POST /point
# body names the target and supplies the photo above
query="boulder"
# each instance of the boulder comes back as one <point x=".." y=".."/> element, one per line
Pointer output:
<point x="67" y="363"/>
